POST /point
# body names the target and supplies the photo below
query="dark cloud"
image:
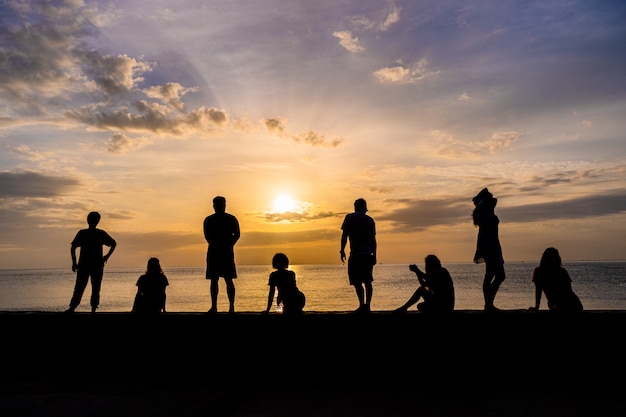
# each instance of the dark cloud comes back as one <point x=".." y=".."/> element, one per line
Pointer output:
<point x="40" y="50"/>
<point x="33" y="184"/>
<point x="575" y="208"/>
<point x="415" y="215"/>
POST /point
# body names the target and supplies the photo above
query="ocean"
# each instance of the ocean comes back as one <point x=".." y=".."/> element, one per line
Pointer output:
<point x="599" y="285"/>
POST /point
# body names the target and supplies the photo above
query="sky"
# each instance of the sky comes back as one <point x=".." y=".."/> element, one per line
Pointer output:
<point x="293" y="109"/>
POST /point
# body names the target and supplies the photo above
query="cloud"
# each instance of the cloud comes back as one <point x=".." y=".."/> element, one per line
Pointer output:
<point x="115" y="74"/>
<point x="418" y="215"/>
<point x="120" y="143"/>
<point x="277" y="126"/>
<point x="589" y="206"/>
<point x="170" y="93"/>
<point x="26" y="152"/>
<point x="402" y="74"/>
<point x="151" y="117"/>
<point x="452" y="147"/>
<point x="48" y="68"/>
<point x="33" y="184"/>
<point x="295" y="216"/>
<point x="39" y="52"/>
<point x="351" y="43"/>
<point x="391" y="17"/>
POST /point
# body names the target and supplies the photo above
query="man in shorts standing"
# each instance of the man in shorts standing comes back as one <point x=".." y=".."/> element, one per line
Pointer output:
<point x="360" y="229"/>
<point x="221" y="231"/>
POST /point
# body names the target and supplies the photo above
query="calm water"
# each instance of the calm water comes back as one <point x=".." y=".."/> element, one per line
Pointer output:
<point x="600" y="286"/>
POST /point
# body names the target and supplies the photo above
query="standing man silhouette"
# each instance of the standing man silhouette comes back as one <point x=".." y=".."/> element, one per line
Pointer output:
<point x="221" y="231"/>
<point x="90" y="262"/>
<point x="360" y="229"/>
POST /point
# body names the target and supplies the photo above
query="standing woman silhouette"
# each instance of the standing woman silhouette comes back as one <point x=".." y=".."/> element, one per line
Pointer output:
<point x="488" y="249"/>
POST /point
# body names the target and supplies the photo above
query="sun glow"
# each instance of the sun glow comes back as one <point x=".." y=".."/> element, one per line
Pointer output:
<point x="283" y="204"/>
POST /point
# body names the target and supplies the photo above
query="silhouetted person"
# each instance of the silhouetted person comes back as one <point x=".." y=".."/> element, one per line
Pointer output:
<point x="150" y="298"/>
<point x="553" y="280"/>
<point x="360" y="229"/>
<point x="284" y="280"/>
<point x="436" y="288"/>
<point x="488" y="249"/>
<point x="90" y="261"/>
<point x="221" y="231"/>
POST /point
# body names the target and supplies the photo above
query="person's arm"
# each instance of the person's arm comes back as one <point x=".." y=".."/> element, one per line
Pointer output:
<point x="236" y="232"/>
<point x="270" y="298"/>
<point x="374" y="248"/>
<point x="421" y="276"/>
<point x="73" y="254"/>
<point x="205" y="229"/>
<point x="538" y="291"/>
<point x="344" y="241"/>
<point x="110" y="252"/>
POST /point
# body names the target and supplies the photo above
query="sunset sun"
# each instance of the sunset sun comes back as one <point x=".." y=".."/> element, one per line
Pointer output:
<point x="283" y="204"/>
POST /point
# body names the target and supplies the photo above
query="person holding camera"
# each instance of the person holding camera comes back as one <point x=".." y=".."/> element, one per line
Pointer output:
<point x="436" y="288"/>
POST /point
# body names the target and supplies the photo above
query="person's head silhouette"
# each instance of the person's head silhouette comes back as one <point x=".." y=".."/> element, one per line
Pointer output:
<point x="219" y="204"/>
<point x="93" y="219"/>
<point x="360" y="205"/>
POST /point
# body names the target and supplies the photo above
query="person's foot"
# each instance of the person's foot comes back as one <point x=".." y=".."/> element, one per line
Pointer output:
<point x="491" y="308"/>
<point x="231" y="310"/>
<point x="69" y="311"/>
<point x="93" y="310"/>
<point x="212" y="310"/>
<point x="364" y="309"/>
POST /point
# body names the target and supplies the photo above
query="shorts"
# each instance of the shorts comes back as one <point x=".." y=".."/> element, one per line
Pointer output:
<point x="360" y="269"/>
<point x="221" y="268"/>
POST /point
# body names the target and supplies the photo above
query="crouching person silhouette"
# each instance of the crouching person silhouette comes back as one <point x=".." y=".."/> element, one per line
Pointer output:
<point x="436" y="288"/>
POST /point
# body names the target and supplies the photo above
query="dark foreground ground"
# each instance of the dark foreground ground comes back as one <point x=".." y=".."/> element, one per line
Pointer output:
<point x="512" y="363"/>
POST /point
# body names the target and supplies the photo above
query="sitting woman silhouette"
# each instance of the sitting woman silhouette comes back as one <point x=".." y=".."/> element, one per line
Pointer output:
<point x="150" y="298"/>
<point x="551" y="279"/>
<point x="284" y="280"/>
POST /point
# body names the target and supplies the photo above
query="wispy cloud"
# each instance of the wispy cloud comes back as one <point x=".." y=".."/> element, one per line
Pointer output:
<point x="463" y="148"/>
<point x="351" y="43"/>
<point x="278" y="126"/>
<point x="403" y="74"/>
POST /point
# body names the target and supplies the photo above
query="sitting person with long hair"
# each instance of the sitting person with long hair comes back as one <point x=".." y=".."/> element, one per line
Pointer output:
<point x="436" y="288"/>
<point x="551" y="279"/>
<point x="150" y="298"/>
